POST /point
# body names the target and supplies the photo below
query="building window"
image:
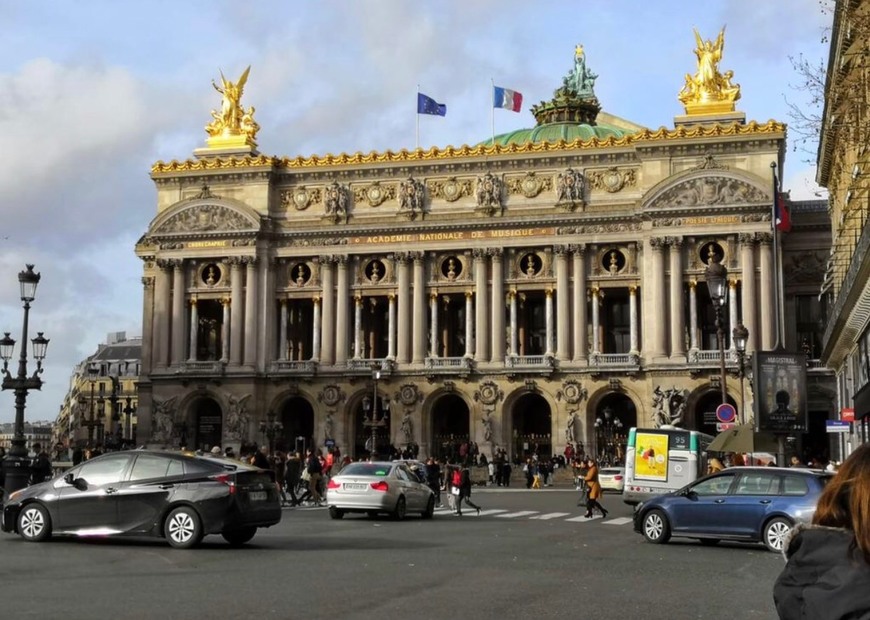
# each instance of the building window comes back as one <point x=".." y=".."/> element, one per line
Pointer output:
<point x="810" y="320"/>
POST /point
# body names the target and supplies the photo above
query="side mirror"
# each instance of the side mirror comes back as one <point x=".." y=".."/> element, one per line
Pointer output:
<point x="69" y="479"/>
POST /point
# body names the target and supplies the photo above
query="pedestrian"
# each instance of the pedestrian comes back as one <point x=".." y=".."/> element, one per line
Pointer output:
<point x="292" y="469"/>
<point x="315" y="471"/>
<point x="593" y="490"/>
<point x="462" y="479"/>
<point x="827" y="574"/>
<point x="260" y="458"/>
<point x="714" y="465"/>
<point x="40" y="465"/>
<point x="433" y="479"/>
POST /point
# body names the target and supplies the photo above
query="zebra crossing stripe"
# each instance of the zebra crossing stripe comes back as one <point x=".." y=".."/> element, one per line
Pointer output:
<point x="484" y="513"/>
<point x="582" y="519"/>
<point x="514" y="515"/>
<point x="551" y="515"/>
<point x="618" y="521"/>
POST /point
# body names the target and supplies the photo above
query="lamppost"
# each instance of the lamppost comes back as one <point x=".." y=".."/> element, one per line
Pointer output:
<point x="271" y="427"/>
<point x="16" y="464"/>
<point x="740" y="335"/>
<point x="129" y="410"/>
<point x="114" y="439"/>
<point x="717" y="283"/>
<point x="373" y="423"/>
<point x="93" y="373"/>
<point x="607" y="427"/>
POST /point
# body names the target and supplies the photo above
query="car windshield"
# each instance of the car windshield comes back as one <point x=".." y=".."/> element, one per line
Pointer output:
<point x="366" y="469"/>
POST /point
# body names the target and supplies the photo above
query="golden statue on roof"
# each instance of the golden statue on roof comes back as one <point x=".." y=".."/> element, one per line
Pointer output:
<point x="232" y="126"/>
<point x="708" y="91"/>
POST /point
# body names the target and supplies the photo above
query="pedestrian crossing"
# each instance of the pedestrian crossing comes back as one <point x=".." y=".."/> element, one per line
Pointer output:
<point x="535" y="515"/>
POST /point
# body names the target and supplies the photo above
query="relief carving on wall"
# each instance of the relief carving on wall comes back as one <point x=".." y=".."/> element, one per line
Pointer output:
<point x="375" y="194"/>
<point x="612" y="180"/>
<point x="335" y="204"/>
<point x="202" y="218"/>
<point x="529" y="185"/>
<point x="300" y="198"/>
<point x="411" y="197"/>
<point x="488" y="194"/>
<point x="709" y="191"/>
<point x="451" y="189"/>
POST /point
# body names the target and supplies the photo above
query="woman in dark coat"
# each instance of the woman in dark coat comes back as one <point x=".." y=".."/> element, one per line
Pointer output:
<point x="828" y="569"/>
<point x="593" y="490"/>
<point x="465" y="492"/>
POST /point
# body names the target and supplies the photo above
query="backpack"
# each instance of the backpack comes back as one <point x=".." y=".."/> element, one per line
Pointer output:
<point x="457" y="478"/>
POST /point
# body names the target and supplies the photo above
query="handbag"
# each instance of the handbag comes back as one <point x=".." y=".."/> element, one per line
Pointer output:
<point x="454" y="490"/>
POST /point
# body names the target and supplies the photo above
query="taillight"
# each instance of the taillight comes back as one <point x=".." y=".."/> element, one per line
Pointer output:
<point x="226" y="479"/>
<point x="380" y="486"/>
<point x="332" y="484"/>
<point x="617" y="477"/>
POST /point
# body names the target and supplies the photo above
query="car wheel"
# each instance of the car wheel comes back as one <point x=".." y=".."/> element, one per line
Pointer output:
<point x="775" y="532"/>
<point x="400" y="510"/>
<point x="655" y="527"/>
<point x="34" y="523"/>
<point x="430" y="509"/>
<point x="709" y="542"/>
<point x="182" y="528"/>
<point x="239" y="537"/>
<point x="335" y="513"/>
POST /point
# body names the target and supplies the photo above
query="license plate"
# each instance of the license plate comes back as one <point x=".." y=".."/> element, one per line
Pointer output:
<point x="257" y="496"/>
<point x="354" y="486"/>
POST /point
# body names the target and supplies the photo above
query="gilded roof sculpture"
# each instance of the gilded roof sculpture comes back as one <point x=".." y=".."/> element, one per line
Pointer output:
<point x="232" y="125"/>
<point x="709" y="91"/>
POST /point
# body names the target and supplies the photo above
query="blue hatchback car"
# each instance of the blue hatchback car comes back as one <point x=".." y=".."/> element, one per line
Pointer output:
<point x="748" y="504"/>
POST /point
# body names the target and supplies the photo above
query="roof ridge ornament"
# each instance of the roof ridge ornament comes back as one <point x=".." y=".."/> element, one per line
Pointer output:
<point x="709" y="91"/>
<point x="575" y="100"/>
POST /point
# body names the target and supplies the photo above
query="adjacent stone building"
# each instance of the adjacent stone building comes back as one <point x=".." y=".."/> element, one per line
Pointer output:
<point x="510" y="293"/>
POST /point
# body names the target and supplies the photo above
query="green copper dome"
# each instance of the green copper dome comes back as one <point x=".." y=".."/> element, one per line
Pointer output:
<point x="555" y="132"/>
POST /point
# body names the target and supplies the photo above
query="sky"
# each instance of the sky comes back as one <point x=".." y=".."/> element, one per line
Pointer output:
<point x="93" y="92"/>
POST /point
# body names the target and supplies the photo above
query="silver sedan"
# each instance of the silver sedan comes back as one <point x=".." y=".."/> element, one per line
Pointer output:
<point x="378" y="487"/>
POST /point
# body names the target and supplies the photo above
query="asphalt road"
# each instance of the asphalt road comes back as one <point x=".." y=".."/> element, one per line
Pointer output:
<point x="525" y="556"/>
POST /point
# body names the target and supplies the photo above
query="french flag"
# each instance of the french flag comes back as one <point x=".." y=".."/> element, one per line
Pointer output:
<point x="507" y="99"/>
<point x="781" y="216"/>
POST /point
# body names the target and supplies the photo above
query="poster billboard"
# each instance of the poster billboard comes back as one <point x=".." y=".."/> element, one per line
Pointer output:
<point x="780" y="385"/>
<point x="651" y="456"/>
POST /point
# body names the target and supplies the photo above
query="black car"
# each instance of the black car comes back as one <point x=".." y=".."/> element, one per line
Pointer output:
<point x="181" y="497"/>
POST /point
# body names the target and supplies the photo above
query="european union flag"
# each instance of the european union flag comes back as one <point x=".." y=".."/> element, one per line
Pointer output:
<point x="427" y="105"/>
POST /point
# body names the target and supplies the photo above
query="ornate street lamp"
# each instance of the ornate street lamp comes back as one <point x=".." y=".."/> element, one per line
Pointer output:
<point x="16" y="464"/>
<point x="372" y="422"/>
<point x="93" y="375"/>
<point x="717" y="283"/>
<point x="607" y="427"/>
<point x="740" y="335"/>
<point x="271" y="427"/>
<point x="129" y="410"/>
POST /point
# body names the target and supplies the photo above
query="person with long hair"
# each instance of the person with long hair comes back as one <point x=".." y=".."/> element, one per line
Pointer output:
<point x="827" y="574"/>
<point x="593" y="489"/>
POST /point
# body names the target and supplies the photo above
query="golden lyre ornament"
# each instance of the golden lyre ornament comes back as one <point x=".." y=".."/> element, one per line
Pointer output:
<point x="232" y="125"/>
<point x="708" y="91"/>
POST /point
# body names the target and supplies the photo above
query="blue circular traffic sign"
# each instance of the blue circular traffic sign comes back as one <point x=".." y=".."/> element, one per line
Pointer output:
<point x="726" y="413"/>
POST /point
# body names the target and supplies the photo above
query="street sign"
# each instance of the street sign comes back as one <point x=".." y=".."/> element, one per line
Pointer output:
<point x="724" y="426"/>
<point x="726" y="413"/>
<point x="847" y="414"/>
<point x="837" y="426"/>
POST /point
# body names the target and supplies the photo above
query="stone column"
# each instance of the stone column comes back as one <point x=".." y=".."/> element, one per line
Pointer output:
<point x="433" y="335"/>
<point x="498" y="334"/>
<point x="481" y="329"/>
<point x="317" y="331"/>
<point x="750" y="295"/>
<point x="693" y="314"/>
<point x="678" y="319"/>
<point x="581" y="344"/>
<point x="162" y="300"/>
<point x="251" y="324"/>
<point x="357" y="327"/>
<point x="403" y="289"/>
<point x="596" y="337"/>
<point x="632" y="313"/>
<point x="418" y="352"/>
<point x="548" y="319"/>
<point x="282" y="337"/>
<point x="658" y="327"/>
<point x="148" y="325"/>
<point x="512" y="299"/>
<point x="225" y="330"/>
<point x="327" y="334"/>
<point x="267" y="311"/>
<point x="733" y="318"/>
<point x="768" y="294"/>
<point x="563" y="324"/>
<point x="469" y="325"/>
<point x="178" y="295"/>
<point x="237" y="315"/>
<point x="194" y="329"/>
<point x="341" y="312"/>
<point x="391" y="326"/>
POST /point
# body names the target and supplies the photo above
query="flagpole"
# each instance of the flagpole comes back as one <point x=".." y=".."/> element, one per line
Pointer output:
<point x="776" y="258"/>
<point x="417" y="104"/>
<point x="492" y="109"/>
